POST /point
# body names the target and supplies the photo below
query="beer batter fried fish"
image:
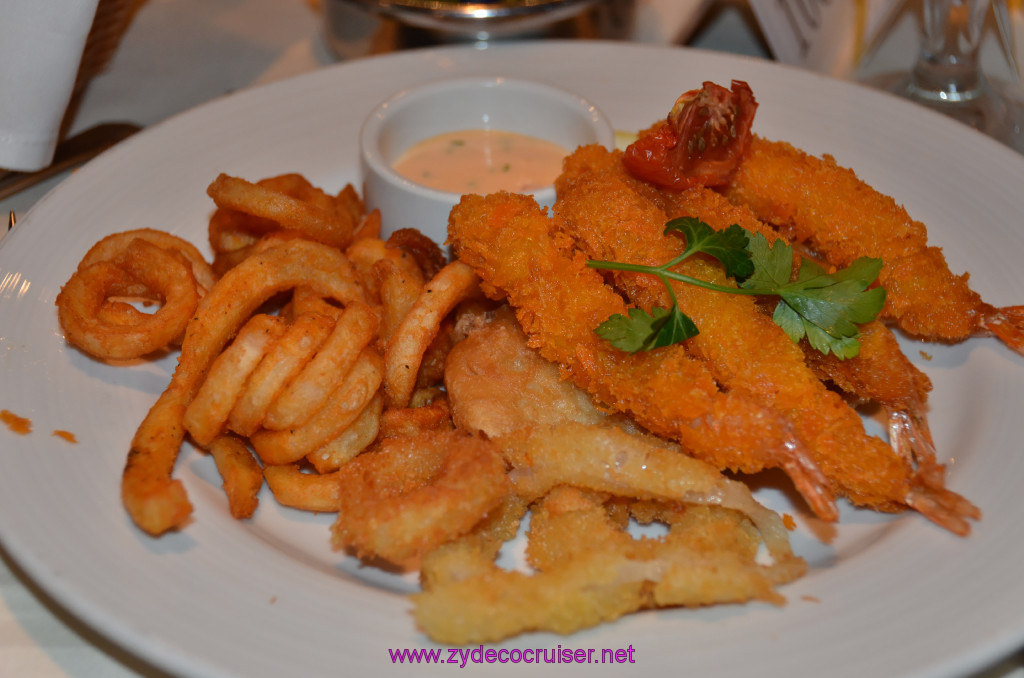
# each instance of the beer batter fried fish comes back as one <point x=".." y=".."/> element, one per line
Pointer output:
<point x="497" y="384"/>
<point x="587" y="567"/>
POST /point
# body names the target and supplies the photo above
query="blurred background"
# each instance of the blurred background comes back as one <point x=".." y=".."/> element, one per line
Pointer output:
<point x="144" y="60"/>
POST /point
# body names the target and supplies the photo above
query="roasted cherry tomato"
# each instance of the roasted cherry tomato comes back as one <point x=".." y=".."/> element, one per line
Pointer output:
<point x="701" y="141"/>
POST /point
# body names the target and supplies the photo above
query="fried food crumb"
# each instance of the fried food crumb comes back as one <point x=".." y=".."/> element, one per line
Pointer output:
<point x="926" y="355"/>
<point x="19" y="425"/>
<point x="66" y="435"/>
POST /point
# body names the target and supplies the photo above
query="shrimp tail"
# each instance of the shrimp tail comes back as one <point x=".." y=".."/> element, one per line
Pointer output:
<point x="910" y="438"/>
<point x="1006" y="323"/>
<point x="810" y="482"/>
<point x="522" y="254"/>
<point x="943" y="507"/>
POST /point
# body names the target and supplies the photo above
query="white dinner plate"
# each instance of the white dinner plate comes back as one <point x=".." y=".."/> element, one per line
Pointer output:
<point x="888" y="596"/>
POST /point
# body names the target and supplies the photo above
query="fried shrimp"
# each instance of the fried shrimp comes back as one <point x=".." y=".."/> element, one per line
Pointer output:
<point x="880" y="373"/>
<point x="610" y="219"/>
<point x="814" y="201"/>
<point x="558" y="301"/>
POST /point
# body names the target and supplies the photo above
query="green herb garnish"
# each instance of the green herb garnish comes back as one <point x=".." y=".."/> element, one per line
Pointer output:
<point x="824" y="307"/>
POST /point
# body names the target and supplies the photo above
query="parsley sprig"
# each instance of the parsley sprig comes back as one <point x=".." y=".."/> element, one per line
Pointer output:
<point x="826" y="308"/>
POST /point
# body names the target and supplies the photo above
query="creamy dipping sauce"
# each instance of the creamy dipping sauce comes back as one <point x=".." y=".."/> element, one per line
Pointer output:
<point x="482" y="161"/>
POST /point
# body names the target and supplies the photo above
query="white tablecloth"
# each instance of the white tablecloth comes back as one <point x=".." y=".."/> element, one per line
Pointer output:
<point x="177" y="54"/>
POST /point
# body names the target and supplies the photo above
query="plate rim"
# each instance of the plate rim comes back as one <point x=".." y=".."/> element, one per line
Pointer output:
<point x="21" y="553"/>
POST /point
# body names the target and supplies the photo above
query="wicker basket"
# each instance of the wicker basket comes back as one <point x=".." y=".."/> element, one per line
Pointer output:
<point x="108" y="27"/>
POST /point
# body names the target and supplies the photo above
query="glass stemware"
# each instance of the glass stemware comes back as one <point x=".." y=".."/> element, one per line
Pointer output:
<point x="947" y="75"/>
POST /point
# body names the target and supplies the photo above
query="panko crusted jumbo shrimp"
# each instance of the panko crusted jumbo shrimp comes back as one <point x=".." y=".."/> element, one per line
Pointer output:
<point x="815" y="201"/>
<point x="744" y="349"/>
<point x="558" y="301"/>
<point x="879" y="373"/>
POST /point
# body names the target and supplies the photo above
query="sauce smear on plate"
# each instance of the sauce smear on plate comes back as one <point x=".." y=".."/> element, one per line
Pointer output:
<point x="482" y="161"/>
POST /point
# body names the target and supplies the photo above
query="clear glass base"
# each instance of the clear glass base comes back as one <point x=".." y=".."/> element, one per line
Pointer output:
<point x="993" y="107"/>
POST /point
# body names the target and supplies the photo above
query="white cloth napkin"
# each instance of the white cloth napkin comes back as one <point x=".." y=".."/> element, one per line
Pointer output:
<point x="667" y="21"/>
<point x="41" y="43"/>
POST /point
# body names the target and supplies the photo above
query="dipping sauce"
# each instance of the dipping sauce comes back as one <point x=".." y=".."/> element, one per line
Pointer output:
<point x="482" y="161"/>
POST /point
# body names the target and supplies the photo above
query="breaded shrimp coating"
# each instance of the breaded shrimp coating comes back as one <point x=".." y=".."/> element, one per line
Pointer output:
<point x="559" y="301"/>
<point x="829" y="209"/>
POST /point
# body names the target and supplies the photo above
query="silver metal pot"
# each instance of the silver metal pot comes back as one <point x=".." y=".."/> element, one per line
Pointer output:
<point x="356" y="28"/>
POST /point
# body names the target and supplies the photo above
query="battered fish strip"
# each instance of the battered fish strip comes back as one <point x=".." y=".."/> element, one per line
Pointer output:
<point x="559" y="301"/>
<point x="573" y="454"/>
<point x="588" y="567"/>
<point x="703" y="560"/>
<point x="815" y="201"/>
<point x="497" y="384"/>
<point x="602" y="209"/>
